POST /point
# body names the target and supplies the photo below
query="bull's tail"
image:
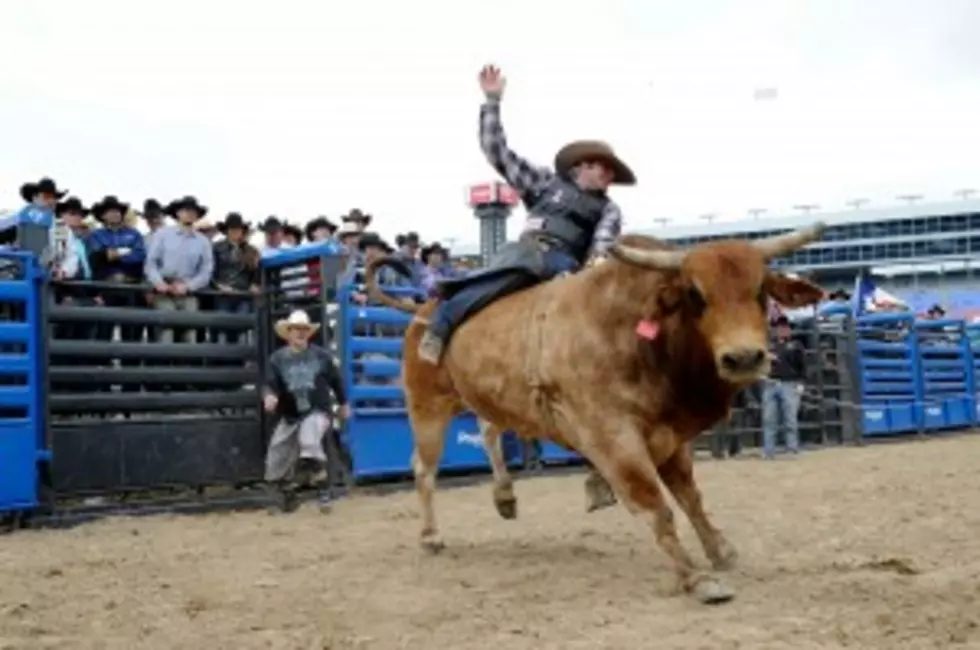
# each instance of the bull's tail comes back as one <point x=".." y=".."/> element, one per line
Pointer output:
<point x="375" y="292"/>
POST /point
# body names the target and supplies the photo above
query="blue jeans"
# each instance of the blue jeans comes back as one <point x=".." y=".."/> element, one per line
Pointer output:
<point x="780" y="405"/>
<point x="231" y="305"/>
<point x="450" y="313"/>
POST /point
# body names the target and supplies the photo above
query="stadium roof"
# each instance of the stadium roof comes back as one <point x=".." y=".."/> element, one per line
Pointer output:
<point x="676" y="230"/>
<point x="871" y="215"/>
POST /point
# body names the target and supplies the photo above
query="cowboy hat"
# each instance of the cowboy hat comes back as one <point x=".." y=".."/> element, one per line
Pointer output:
<point x="434" y="247"/>
<point x="290" y="229"/>
<point x="408" y="239"/>
<point x="371" y="239"/>
<point x="316" y="224"/>
<point x="298" y="319"/>
<point x="44" y="186"/>
<point x="186" y="203"/>
<point x="204" y="225"/>
<point x="234" y="220"/>
<point x="581" y="151"/>
<point x="356" y="216"/>
<point x="109" y="202"/>
<point x="348" y="230"/>
<point x="152" y="210"/>
<point x="72" y="205"/>
<point x="271" y="224"/>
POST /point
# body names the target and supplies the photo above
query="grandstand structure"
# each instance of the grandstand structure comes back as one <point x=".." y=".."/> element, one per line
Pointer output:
<point x="924" y="253"/>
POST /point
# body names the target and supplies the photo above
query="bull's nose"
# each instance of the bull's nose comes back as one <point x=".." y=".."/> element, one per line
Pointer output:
<point x="742" y="361"/>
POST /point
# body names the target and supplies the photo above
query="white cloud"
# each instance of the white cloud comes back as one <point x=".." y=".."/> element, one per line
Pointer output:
<point x="301" y="107"/>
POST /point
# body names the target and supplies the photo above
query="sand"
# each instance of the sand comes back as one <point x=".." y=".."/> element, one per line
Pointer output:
<point x="875" y="547"/>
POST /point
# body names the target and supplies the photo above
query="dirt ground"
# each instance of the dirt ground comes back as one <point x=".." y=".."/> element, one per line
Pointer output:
<point x="845" y="548"/>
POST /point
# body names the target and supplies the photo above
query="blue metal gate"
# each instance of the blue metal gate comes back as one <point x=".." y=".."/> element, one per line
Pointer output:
<point x="22" y="397"/>
<point x="378" y="433"/>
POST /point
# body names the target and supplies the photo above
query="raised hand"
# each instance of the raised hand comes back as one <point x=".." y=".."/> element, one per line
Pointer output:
<point x="492" y="82"/>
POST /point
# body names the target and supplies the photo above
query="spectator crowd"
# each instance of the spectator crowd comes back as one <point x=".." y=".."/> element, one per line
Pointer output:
<point x="183" y="261"/>
<point x="187" y="262"/>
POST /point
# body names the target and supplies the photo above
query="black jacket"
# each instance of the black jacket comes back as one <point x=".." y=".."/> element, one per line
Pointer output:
<point x="789" y="364"/>
<point x="235" y="265"/>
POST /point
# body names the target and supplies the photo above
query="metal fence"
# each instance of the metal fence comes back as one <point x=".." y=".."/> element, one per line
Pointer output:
<point x="94" y="399"/>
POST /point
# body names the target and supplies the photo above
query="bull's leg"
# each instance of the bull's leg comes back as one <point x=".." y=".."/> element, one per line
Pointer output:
<point x="633" y="477"/>
<point x="429" y="430"/>
<point x="503" y="486"/>
<point x="677" y="473"/>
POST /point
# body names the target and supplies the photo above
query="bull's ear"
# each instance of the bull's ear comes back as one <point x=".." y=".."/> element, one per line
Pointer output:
<point x="670" y="296"/>
<point x="792" y="292"/>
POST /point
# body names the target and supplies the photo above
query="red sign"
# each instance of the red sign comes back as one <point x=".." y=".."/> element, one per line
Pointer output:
<point x="479" y="194"/>
<point x="507" y="194"/>
<point x="487" y="193"/>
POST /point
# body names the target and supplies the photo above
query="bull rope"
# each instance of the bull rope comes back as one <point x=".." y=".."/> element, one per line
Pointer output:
<point x="532" y="363"/>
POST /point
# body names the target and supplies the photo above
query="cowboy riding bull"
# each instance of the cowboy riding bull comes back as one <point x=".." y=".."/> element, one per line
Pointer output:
<point x="625" y="362"/>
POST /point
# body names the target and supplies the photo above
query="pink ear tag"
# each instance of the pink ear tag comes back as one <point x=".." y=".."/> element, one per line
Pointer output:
<point x="647" y="329"/>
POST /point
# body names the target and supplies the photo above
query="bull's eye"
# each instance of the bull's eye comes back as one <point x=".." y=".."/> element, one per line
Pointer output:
<point x="696" y="300"/>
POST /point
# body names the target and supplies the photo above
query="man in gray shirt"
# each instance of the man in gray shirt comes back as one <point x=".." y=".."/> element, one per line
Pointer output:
<point x="303" y="384"/>
<point x="180" y="261"/>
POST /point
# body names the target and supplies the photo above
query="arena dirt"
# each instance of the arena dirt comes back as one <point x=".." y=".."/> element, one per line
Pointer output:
<point x="846" y="548"/>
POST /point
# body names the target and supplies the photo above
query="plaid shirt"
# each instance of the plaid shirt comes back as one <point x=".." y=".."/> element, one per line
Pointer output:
<point x="529" y="179"/>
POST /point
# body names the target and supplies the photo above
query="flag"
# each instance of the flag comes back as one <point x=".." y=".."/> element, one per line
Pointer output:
<point x="869" y="297"/>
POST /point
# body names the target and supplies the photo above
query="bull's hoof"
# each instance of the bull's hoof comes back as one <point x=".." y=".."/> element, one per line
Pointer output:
<point x="506" y="508"/>
<point x="600" y="504"/>
<point x="712" y="591"/>
<point x="727" y="557"/>
<point x="598" y="494"/>
<point x="432" y="544"/>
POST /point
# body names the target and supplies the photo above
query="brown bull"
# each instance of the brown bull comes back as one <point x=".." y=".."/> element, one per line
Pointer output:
<point x="625" y="362"/>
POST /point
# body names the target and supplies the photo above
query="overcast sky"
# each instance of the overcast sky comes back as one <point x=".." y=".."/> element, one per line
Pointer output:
<point x="303" y="107"/>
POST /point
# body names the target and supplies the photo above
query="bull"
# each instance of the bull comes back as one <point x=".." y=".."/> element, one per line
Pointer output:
<point x="625" y="362"/>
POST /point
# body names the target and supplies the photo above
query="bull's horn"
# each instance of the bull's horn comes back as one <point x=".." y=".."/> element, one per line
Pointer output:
<point x="780" y="245"/>
<point x="661" y="260"/>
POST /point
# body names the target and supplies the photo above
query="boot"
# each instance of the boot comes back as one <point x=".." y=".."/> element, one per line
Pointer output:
<point x="324" y="491"/>
<point x="284" y="497"/>
<point x="430" y="348"/>
<point x="324" y="498"/>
